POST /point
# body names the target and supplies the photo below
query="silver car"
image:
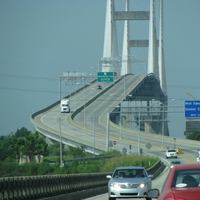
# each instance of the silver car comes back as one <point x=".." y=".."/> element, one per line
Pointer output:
<point x="129" y="182"/>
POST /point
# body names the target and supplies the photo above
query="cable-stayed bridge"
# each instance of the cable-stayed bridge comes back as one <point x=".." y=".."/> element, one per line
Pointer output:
<point x="132" y="110"/>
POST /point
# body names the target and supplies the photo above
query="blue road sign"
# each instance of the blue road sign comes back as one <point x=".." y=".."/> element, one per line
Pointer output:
<point x="192" y="109"/>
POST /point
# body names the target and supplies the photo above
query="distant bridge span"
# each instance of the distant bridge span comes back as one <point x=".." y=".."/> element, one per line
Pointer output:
<point x="88" y="124"/>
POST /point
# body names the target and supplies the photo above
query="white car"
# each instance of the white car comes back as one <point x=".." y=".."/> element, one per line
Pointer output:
<point x="171" y="153"/>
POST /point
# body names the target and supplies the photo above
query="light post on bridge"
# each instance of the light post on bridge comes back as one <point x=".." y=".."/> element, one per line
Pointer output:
<point x="174" y="143"/>
<point x="139" y="132"/>
<point x="107" y="131"/>
<point x="61" y="157"/>
<point x="94" y="136"/>
<point x="84" y="105"/>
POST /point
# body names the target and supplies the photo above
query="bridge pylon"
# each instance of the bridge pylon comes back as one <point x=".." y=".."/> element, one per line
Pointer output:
<point x="112" y="62"/>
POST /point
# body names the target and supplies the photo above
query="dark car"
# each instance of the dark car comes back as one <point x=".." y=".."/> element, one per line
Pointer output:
<point x="174" y="162"/>
<point x="129" y="182"/>
<point x="182" y="184"/>
<point x="99" y="87"/>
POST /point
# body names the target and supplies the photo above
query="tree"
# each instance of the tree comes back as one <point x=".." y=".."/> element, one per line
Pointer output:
<point x="34" y="145"/>
<point x="40" y="145"/>
<point x="195" y="135"/>
<point x="23" y="132"/>
<point x="28" y="147"/>
<point x="23" y="141"/>
<point x="17" y="144"/>
<point x="5" y="147"/>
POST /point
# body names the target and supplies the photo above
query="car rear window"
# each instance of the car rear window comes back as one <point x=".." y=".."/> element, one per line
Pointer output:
<point x="171" y="150"/>
<point x="187" y="178"/>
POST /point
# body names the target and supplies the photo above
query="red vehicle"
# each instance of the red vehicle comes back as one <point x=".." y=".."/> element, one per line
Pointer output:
<point x="183" y="183"/>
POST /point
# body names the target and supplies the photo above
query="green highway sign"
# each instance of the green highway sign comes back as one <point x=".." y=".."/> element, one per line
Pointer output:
<point x="105" y="76"/>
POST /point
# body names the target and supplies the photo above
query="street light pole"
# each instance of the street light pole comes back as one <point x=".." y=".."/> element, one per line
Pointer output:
<point x="84" y="106"/>
<point x="61" y="160"/>
<point x="93" y="137"/>
<point x="107" y="131"/>
<point x="164" y="109"/>
<point x="174" y="143"/>
<point x="124" y="86"/>
<point x="120" y="126"/>
<point x="60" y="89"/>
<point x="139" y="134"/>
<point x="163" y="127"/>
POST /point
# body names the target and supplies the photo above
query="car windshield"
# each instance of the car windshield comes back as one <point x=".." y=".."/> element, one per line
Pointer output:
<point x="129" y="173"/>
<point x="187" y="178"/>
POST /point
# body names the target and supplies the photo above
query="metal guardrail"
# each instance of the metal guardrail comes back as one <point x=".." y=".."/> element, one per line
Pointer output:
<point x="37" y="187"/>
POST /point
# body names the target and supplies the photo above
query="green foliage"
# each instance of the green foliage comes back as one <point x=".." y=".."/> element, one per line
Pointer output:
<point x="54" y="149"/>
<point x="91" y="166"/>
<point x="45" y="169"/>
<point x="7" y="170"/>
<point x="6" y="149"/>
<point x="22" y="142"/>
<point x="195" y="135"/>
<point x="72" y="167"/>
<point x="135" y="160"/>
<point x="32" y="144"/>
<point x="113" y="152"/>
<point x="26" y="169"/>
<point x="10" y="159"/>
<point x="23" y="132"/>
<point x="76" y="152"/>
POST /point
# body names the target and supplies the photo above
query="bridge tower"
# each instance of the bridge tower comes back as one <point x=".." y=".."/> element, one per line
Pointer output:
<point x="161" y="62"/>
<point x="111" y="62"/>
<point x="126" y="64"/>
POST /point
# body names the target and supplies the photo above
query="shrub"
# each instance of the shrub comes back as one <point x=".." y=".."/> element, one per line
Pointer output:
<point x="120" y="161"/>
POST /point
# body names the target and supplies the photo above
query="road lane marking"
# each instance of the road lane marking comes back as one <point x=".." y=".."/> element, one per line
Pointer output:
<point x="188" y="157"/>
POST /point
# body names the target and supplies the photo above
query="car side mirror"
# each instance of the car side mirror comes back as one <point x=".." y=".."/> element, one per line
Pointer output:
<point x="153" y="193"/>
<point x="109" y="176"/>
<point x="150" y="176"/>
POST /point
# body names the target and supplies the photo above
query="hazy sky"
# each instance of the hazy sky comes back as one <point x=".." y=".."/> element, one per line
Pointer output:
<point x="41" y="39"/>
